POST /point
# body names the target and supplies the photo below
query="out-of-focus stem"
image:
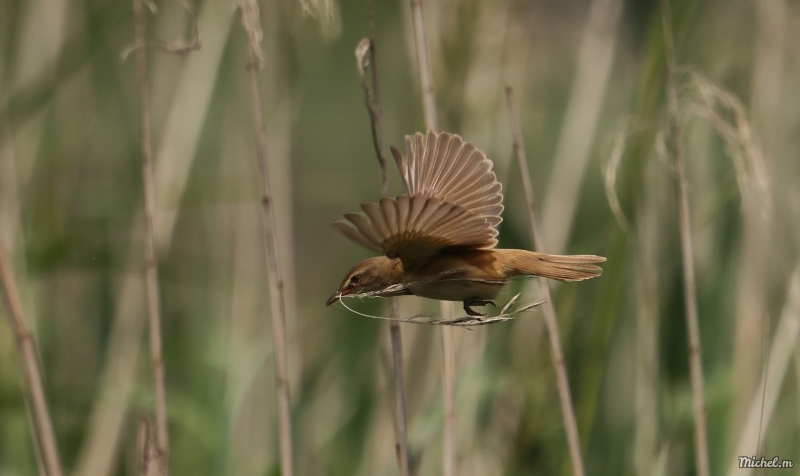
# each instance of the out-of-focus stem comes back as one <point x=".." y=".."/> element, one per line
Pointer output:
<point x="151" y="259"/>
<point x="448" y="393"/>
<point x="562" y="382"/>
<point x="424" y="67"/>
<point x="277" y="298"/>
<point x="648" y="254"/>
<point x="41" y="424"/>
<point x="446" y="308"/>
<point x="401" y="423"/>
<point x="687" y="252"/>
<point x="173" y="160"/>
<point x="766" y="105"/>
<point x="147" y="452"/>
<point x="595" y="58"/>
<point x="762" y="405"/>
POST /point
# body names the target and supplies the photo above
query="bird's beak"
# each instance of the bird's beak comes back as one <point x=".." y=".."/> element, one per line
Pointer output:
<point x="334" y="297"/>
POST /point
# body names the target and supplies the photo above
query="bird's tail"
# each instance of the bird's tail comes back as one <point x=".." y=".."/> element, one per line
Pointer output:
<point x="561" y="267"/>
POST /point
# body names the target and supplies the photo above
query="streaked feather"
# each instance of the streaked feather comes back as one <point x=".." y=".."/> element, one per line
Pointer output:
<point x="373" y="211"/>
<point x="349" y="230"/>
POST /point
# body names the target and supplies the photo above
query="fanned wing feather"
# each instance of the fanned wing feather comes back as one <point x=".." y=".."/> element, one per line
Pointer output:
<point x="454" y="200"/>
<point x="415" y="228"/>
<point x="442" y="165"/>
<point x="351" y="231"/>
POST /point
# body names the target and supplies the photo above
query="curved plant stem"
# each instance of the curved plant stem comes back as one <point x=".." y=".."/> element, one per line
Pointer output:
<point x="687" y="252"/>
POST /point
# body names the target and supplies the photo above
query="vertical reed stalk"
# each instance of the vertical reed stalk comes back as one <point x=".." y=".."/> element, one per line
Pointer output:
<point x="767" y="103"/>
<point x="368" y="70"/>
<point x="251" y="22"/>
<point x="147" y="452"/>
<point x="424" y="67"/>
<point x="142" y="445"/>
<point x="188" y="111"/>
<point x="401" y="422"/>
<point x="9" y="207"/>
<point x="562" y="382"/>
<point x="151" y="259"/>
<point x="448" y="393"/>
<point x="687" y="252"/>
<point x="764" y="400"/>
<point x="42" y="432"/>
<point x="648" y="254"/>
<point x="593" y="69"/>
<point x="446" y="308"/>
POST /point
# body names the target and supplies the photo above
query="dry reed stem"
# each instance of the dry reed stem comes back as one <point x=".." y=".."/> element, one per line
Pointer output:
<point x="797" y="378"/>
<point x="450" y="444"/>
<point x="505" y="314"/>
<point x="105" y="424"/>
<point x="252" y="26"/>
<point x="326" y="12"/>
<point x="368" y="71"/>
<point x="142" y="446"/>
<point x="784" y="346"/>
<point x="687" y="252"/>
<point x="769" y="72"/>
<point x="174" y="159"/>
<point x="728" y="116"/>
<point x="41" y="424"/>
<point x="400" y="418"/>
<point x="593" y="70"/>
<point x="151" y="257"/>
<point x="10" y="208"/>
<point x="424" y="67"/>
<point x="649" y="252"/>
<point x="450" y="450"/>
<point x="178" y="46"/>
<point x="610" y="170"/>
<point x="147" y="448"/>
<point x="462" y="321"/>
<point x="562" y="381"/>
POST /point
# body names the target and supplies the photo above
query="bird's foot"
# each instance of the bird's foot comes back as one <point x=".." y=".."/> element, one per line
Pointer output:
<point x="475" y="302"/>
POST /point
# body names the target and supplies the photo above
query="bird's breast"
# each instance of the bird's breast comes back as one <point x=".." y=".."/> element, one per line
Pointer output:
<point x="458" y="290"/>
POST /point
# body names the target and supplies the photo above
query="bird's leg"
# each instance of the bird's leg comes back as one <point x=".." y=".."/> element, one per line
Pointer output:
<point x="475" y="302"/>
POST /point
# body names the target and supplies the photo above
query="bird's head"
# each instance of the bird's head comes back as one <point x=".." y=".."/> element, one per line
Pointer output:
<point x="370" y="275"/>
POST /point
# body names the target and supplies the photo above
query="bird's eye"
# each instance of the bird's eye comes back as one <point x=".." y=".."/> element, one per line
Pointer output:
<point x="354" y="279"/>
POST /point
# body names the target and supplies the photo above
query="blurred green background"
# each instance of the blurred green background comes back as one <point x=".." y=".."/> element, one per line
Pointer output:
<point x="71" y="219"/>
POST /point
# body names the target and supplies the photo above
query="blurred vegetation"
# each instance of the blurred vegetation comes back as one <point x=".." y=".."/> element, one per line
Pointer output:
<point x="70" y="216"/>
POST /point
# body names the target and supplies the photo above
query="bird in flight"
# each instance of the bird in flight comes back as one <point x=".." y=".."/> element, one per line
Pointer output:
<point x="438" y="240"/>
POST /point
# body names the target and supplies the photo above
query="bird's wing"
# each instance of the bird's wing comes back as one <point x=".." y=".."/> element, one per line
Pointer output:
<point x="444" y="166"/>
<point x="415" y="228"/>
<point x="453" y="200"/>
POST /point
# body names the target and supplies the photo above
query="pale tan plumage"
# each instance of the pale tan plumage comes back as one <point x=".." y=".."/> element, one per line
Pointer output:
<point x="439" y="239"/>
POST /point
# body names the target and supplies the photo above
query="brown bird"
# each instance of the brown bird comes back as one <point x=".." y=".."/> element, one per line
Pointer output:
<point x="439" y="239"/>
